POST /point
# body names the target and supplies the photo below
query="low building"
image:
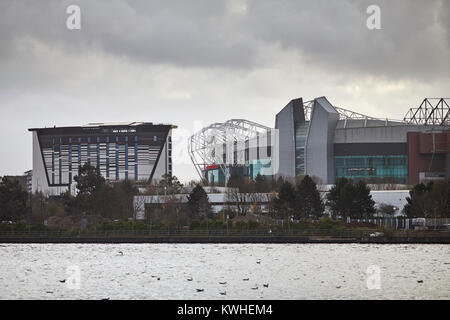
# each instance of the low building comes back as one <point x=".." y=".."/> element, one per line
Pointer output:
<point x="229" y="198"/>
<point x="23" y="180"/>
<point x="219" y="198"/>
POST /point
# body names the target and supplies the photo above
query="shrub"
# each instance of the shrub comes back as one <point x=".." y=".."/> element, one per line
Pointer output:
<point x="38" y="227"/>
<point x="302" y="224"/>
<point x="252" y="224"/>
<point x="194" y="224"/>
<point x="240" y="225"/>
<point x="219" y="225"/>
<point x="20" y="227"/>
<point x="5" y="227"/>
<point x="327" y="223"/>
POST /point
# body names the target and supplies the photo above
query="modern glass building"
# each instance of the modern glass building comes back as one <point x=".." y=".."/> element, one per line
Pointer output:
<point x="135" y="151"/>
<point x="332" y="142"/>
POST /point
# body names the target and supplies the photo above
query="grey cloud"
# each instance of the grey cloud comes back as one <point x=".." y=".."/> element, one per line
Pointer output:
<point x="183" y="33"/>
<point x="333" y="34"/>
<point x="329" y="34"/>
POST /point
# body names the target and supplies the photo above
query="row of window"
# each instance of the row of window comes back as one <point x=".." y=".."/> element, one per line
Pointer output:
<point x="63" y="156"/>
<point x="393" y="167"/>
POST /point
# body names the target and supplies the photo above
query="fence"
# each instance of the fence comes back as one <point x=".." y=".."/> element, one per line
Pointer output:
<point x="399" y="223"/>
<point x="338" y="233"/>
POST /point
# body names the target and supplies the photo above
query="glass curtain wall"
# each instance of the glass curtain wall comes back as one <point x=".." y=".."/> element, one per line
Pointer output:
<point x="387" y="168"/>
<point x="301" y="132"/>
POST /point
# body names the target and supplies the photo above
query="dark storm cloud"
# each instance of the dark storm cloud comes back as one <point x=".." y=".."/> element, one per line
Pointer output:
<point x="333" y="34"/>
<point x="414" y="40"/>
<point x="154" y="60"/>
<point x="183" y="33"/>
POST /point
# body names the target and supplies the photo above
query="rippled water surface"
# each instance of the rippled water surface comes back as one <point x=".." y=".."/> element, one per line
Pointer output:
<point x="291" y="271"/>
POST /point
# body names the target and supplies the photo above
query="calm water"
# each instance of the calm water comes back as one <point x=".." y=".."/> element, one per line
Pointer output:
<point x="292" y="271"/>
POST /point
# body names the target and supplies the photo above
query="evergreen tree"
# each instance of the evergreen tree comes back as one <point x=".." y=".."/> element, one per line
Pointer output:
<point x="431" y="200"/>
<point x="350" y="199"/>
<point x="89" y="182"/>
<point x="363" y="204"/>
<point x="334" y="200"/>
<point x="198" y="203"/>
<point x="170" y="183"/>
<point x="307" y="199"/>
<point x="284" y="203"/>
<point x="440" y="199"/>
<point x="416" y="202"/>
<point x="13" y="200"/>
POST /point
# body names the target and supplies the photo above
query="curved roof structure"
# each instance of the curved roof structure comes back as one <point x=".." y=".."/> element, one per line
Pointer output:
<point x="202" y="144"/>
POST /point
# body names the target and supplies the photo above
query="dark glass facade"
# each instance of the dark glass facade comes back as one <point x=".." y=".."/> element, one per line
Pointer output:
<point x="215" y="176"/>
<point x="378" y="168"/>
<point x="301" y="133"/>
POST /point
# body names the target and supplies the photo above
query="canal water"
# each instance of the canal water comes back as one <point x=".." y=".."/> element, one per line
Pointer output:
<point x="224" y="271"/>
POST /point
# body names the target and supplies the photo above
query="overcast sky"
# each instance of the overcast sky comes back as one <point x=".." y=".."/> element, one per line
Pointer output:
<point x="191" y="63"/>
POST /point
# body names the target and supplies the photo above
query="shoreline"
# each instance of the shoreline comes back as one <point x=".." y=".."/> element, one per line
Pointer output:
<point x="229" y="239"/>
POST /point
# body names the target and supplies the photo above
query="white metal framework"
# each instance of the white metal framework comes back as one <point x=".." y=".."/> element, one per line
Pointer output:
<point x="432" y="111"/>
<point x="202" y="145"/>
<point x="345" y="114"/>
<point x="307" y="109"/>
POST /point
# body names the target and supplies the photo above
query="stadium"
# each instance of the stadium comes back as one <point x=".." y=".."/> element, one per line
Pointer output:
<point x="327" y="142"/>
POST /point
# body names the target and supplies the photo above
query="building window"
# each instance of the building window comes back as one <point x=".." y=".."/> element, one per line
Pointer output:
<point x="373" y="169"/>
<point x="301" y="133"/>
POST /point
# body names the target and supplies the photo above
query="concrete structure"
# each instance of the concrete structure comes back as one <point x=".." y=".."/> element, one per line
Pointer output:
<point x="329" y="142"/>
<point x="137" y="150"/>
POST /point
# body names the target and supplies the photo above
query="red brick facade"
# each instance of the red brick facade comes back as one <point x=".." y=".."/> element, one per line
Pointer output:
<point x="420" y="153"/>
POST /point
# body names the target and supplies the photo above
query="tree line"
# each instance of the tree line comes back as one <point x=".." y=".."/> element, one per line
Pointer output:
<point x="285" y="199"/>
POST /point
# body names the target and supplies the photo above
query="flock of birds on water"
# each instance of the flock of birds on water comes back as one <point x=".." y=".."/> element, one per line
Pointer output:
<point x="223" y="293"/>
